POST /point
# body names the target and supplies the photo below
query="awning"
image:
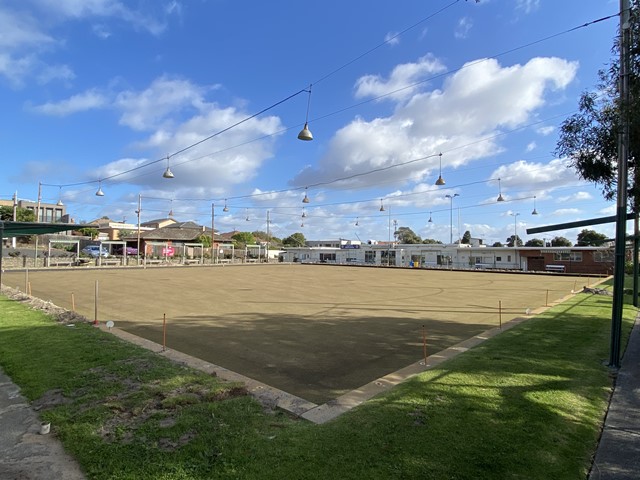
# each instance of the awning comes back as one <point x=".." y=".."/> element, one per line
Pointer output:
<point x="18" y="229"/>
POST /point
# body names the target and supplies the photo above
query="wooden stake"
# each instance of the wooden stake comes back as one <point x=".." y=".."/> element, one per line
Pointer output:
<point x="26" y="281"/>
<point x="500" y="313"/>
<point x="73" y="302"/>
<point x="546" y="303"/>
<point x="164" y="332"/>
<point x="28" y="288"/>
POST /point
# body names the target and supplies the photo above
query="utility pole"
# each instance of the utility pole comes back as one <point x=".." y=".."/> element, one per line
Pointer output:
<point x="621" y="205"/>
<point x="15" y="216"/>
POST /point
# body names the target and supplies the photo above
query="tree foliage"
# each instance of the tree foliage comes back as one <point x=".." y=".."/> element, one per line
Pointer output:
<point x="406" y="235"/>
<point x="295" y="240"/>
<point x="466" y="237"/>
<point x="89" y="232"/>
<point x="512" y="238"/>
<point x="243" y="238"/>
<point x="497" y="244"/>
<point x="534" y="242"/>
<point x="590" y="137"/>
<point x="561" y="242"/>
<point x="590" y="238"/>
<point x="22" y="214"/>
<point x="205" y="240"/>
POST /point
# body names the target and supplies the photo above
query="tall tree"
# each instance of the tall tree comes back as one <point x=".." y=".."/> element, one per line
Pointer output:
<point x="590" y="238"/>
<point x="466" y="238"/>
<point x="590" y="137"/>
<point x="560" y="242"/>
<point x="295" y="240"/>
<point x="534" y="242"/>
<point x="512" y="239"/>
<point x="243" y="238"/>
<point x="22" y="214"/>
<point x="406" y="235"/>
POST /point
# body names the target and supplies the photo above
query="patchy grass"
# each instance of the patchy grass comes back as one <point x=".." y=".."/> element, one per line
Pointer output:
<point x="526" y="404"/>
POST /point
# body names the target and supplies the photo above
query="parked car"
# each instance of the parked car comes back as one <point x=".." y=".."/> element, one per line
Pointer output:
<point x="94" y="251"/>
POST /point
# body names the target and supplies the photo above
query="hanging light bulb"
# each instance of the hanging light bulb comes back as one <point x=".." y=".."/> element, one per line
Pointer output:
<point x="100" y="193"/>
<point x="430" y="220"/>
<point x="247" y="219"/>
<point x="304" y="214"/>
<point x="171" y="210"/>
<point x="60" y="204"/>
<point x="225" y="209"/>
<point x="357" y="222"/>
<point x="381" y="206"/>
<point x="306" y="198"/>
<point x="302" y="224"/>
<point x="305" y="133"/>
<point x="168" y="173"/>
<point x="500" y="197"/>
<point x="535" y="212"/>
<point x="440" y="181"/>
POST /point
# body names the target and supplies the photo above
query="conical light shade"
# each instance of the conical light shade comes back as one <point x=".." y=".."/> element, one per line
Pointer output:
<point x="440" y="181"/>
<point x="535" y="212"/>
<point x="305" y="133"/>
<point x="430" y="221"/>
<point x="382" y="208"/>
<point x="100" y="193"/>
<point x="500" y="198"/>
<point x="60" y="204"/>
<point x="305" y="199"/>
<point x="168" y="173"/>
<point x="225" y="209"/>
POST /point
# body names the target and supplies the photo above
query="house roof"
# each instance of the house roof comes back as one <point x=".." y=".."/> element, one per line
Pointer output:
<point x="180" y="231"/>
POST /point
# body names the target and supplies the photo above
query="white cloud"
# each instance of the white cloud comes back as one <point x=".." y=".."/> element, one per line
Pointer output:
<point x="527" y="6"/>
<point x="392" y="38"/>
<point x="536" y="177"/>
<point x="154" y="23"/>
<point x="159" y="102"/>
<point x="462" y="28"/>
<point x="562" y="212"/>
<point x="89" y="100"/>
<point x="473" y="104"/>
<point x="545" y="131"/>
<point x="401" y="81"/>
<point x="26" y="35"/>
<point x="576" y="197"/>
<point x="531" y="146"/>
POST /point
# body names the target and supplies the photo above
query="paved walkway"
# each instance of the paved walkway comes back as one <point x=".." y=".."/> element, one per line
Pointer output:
<point x="618" y="455"/>
<point x="24" y="453"/>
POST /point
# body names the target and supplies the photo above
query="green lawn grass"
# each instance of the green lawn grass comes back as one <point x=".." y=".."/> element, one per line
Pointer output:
<point x="528" y="403"/>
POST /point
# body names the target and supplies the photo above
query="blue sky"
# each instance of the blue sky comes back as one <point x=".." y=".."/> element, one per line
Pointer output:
<point x="102" y="92"/>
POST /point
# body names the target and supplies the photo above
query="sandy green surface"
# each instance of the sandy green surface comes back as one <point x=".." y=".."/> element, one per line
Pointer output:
<point x="313" y="331"/>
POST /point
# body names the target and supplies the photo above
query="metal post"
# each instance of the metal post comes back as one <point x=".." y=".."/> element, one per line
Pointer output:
<point x="621" y="205"/>
<point x="35" y="259"/>
<point x="636" y="244"/>
<point x="138" y="236"/>
<point x="213" y="231"/>
<point x="268" y="236"/>
<point x="15" y="216"/>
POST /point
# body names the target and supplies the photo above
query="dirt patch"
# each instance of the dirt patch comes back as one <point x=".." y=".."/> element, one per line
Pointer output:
<point x="51" y="399"/>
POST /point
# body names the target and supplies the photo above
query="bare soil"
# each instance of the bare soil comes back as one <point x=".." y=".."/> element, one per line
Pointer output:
<point x="314" y="331"/>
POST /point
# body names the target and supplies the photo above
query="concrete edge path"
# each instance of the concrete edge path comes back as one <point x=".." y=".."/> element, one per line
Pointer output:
<point x="25" y="454"/>
<point x="618" y="453"/>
